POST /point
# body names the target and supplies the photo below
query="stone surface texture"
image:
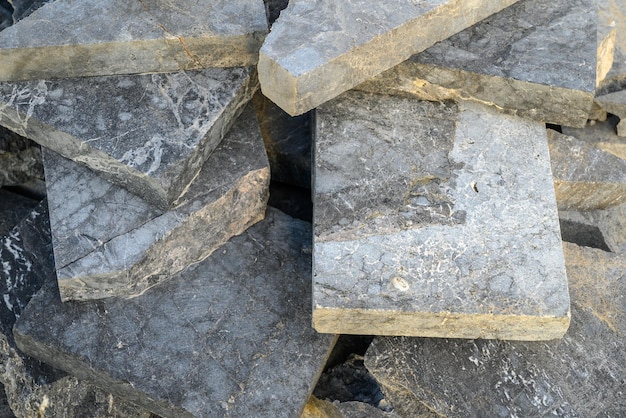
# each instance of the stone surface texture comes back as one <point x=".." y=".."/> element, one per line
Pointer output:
<point x="615" y="103"/>
<point x="319" y="49"/>
<point x="581" y="375"/>
<point x="20" y="159"/>
<point x="533" y="59"/>
<point x="434" y="220"/>
<point x="235" y="330"/>
<point x="610" y="222"/>
<point x="67" y="38"/>
<point x="319" y="408"/>
<point x="13" y="208"/>
<point x="612" y="38"/>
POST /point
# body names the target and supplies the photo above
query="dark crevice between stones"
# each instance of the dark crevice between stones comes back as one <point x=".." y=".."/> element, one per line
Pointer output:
<point x="294" y="201"/>
<point x="554" y="127"/>
<point x="583" y="235"/>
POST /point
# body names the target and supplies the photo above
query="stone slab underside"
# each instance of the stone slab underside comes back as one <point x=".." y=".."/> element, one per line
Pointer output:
<point x="534" y="59"/>
<point x="433" y="220"/>
<point x="230" y="336"/>
<point x="66" y="38"/>
<point x="149" y="133"/>
<point x="319" y="49"/>
<point x="109" y="242"/>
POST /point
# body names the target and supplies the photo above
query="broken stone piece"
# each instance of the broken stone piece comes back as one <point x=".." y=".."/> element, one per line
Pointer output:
<point x="432" y="219"/>
<point x="609" y="223"/>
<point x="611" y="38"/>
<point x="615" y="103"/>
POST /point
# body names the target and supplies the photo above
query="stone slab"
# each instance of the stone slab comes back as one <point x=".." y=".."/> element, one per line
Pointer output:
<point x="433" y="219"/>
<point x="319" y="49"/>
<point x="535" y="59"/>
<point x="149" y="133"/>
<point x="615" y="103"/>
<point x="612" y="39"/>
<point x="581" y="375"/>
<point x="230" y="336"/>
<point x="67" y="38"/>
<point x="109" y="242"/>
<point x="610" y="223"/>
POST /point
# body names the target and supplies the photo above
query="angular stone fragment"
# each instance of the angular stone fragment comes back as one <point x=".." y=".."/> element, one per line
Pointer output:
<point x="66" y="38"/>
<point x="149" y="133"/>
<point x="13" y="208"/>
<point x="581" y="375"/>
<point x="319" y="49"/>
<point x="611" y="224"/>
<point x="611" y="40"/>
<point x="535" y="59"/>
<point x="108" y="242"/>
<point x="615" y="103"/>
<point x="230" y="336"/>
<point x="318" y="408"/>
<point x="20" y="159"/>
<point x="433" y="220"/>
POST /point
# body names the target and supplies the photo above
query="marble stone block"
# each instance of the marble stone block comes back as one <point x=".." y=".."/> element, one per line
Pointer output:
<point x="534" y="59"/>
<point x="66" y="38"/>
<point x="581" y="375"/>
<point x="432" y="219"/>
<point x="149" y="133"/>
<point x="319" y="49"/>
<point x="229" y="336"/>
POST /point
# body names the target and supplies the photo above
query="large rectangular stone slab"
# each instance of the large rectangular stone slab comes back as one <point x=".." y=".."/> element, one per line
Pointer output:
<point x="230" y="336"/>
<point x="66" y="38"/>
<point x="319" y="49"/>
<point x="433" y="219"/>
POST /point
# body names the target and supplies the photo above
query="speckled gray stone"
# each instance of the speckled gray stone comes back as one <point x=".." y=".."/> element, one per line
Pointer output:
<point x="433" y="220"/>
<point x="148" y="133"/>
<point x="108" y="242"/>
<point x="319" y="49"/>
<point x="534" y="59"/>
<point x="230" y="336"/>
<point x="68" y="38"/>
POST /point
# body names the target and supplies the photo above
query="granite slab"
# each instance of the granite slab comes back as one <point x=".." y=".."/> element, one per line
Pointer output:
<point x="230" y="336"/>
<point x="432" y="219"/>
<point x="581" y="375"/>
<point x="149" y="133"/>
<point x="109" y="242"/>
<point x="535" y="59"/>
<point x="66" y="38"/>
<point x="319" y="49"/>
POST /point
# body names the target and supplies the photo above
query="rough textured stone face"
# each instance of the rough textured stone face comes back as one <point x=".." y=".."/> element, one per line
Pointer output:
<point x="20" y="159"/>
<point x="433" y="220"/>
<point x="66" y="38"/>
<point x="611" y="223"/>
<point x="581" y="375"/>
<point x="230" y="336"/>
<point x="612" y="39"/>
<point x="319" y="49"/>
<point x="149" y="133"/>
<point x="615" y="103"/>
<point x="13" y="208"/>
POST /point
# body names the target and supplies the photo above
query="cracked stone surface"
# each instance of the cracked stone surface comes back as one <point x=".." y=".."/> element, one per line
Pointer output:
<point x="319" y="49"/>
<point x="534" y="59"/>
<point x="66" y="38"/>
<point x="230" y="336"/>
<point x="582" y="374"/>
<point x="434" y="220"/>
<point x="148" y="133"/>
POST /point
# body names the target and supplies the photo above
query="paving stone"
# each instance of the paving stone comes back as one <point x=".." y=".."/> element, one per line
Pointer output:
<point x="149" y="133"/>
<point x="581" y="375"/>
<point x="319" y="49"/>
<point x="601" y="135"/>
<point x="109" y="242"/>
<point x="434" y="220"/>
<point x="533" y="59"/>
<point x="13" y="208"/>
<point x="230" y="336"/>
<point x="66" y="38"/>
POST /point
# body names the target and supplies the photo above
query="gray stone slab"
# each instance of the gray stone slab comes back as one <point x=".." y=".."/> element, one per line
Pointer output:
<point x="66" y="38"/>
<point x="149" y="133"/>
<point x="319" y="49"/>
<point x="230" y="336"/>
<point x="581" y="375"/>
<point x="612" y="42"/>
<point x="109" y="242"/>
<point x="610" y="223"/>
<point x="434" y="220"/>
<point x="534" y="59"/>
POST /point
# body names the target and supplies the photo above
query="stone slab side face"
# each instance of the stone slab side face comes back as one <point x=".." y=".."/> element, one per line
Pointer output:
<point x="108" y="242"/>
<point x="612" y="40"/>
<point x="615" y="103"/>
<point x="434" y="220"/>
<point x="534" y="59"/>
<point x="581" y="375"/>
<point x="319" y="49"/>
<point x="148" y="133"/>
<point x="66" y="38"/>
<point x="230" y="336"/>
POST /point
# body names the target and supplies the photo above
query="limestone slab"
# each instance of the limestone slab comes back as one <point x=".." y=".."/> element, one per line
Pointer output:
<point x="434" y="220"/>
<point x="319" y="49"/>
<point x="149" y="133"/>
<point x="230" y="336"/>
<point x="66" y="38"/>
<point x="534" y="59"/>
<point x="108" y="242"/>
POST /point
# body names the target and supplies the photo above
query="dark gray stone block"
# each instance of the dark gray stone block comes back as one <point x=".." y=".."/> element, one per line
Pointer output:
<point x="20" y="159"/>
<point x="13" y="208"/>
